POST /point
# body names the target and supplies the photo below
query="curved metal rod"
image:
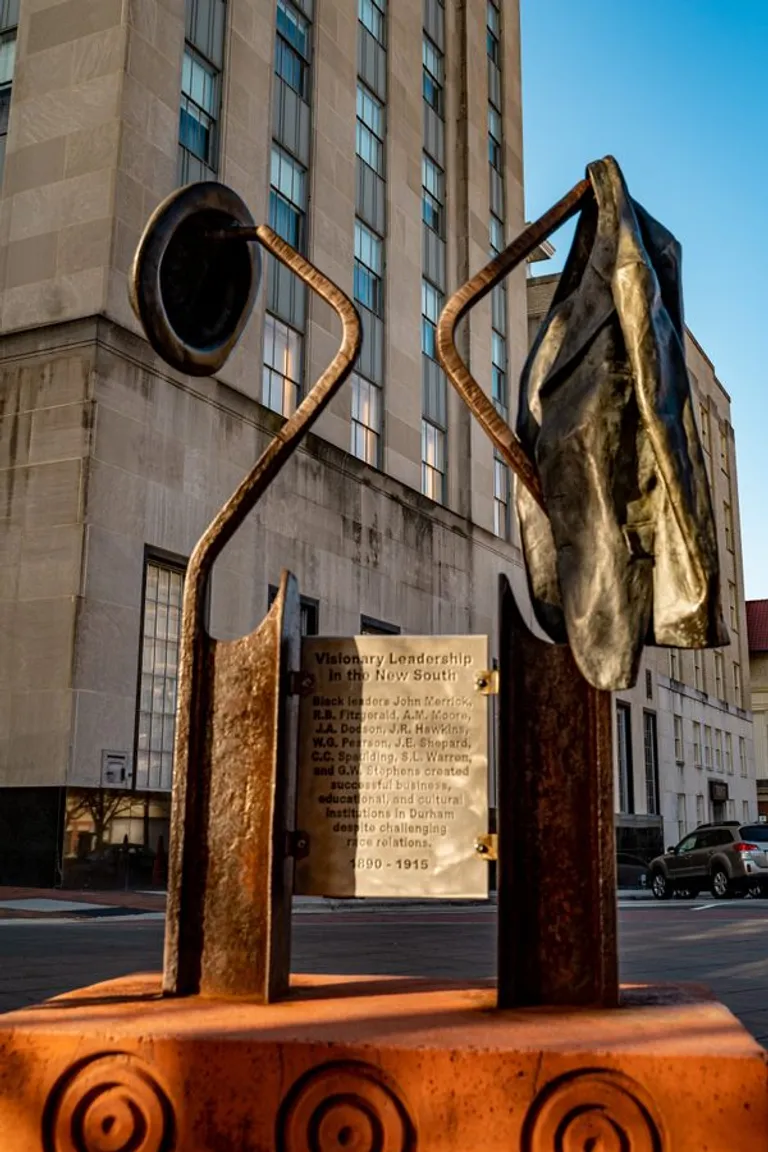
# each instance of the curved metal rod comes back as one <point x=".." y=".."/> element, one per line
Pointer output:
<point x="224" y="525"/>
<point x="466" y="297"/>
<point x="194" y="636"/>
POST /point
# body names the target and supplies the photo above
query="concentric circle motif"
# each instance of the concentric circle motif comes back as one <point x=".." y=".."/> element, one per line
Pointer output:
<point x="344" y="1107"/>
<point x="111" y="1103"/>
<point x="594" y="1110"/>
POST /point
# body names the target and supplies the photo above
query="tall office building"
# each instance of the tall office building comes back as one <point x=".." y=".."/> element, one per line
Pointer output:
<point x="383" y="139"/>
<point x="683" y="743"/>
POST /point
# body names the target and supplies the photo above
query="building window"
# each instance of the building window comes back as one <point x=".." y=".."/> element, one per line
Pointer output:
<point x="501" y="499"/>
<point x="730" y="810"/>
<point x="729" y="753"/>
<point x="495" y="153"/>
<point x="728" y="524"/>
<point x="292" y="48"/>
<point x="733" y="606"/>
<point x="745" y="811"/>
<point x="718" y="750"/>
<point x="370" y="130"/>
<point x="707" y="747"/>
<point x="432" y="461"/>
<point x="371" y="627"/>
<point x="431" y="306"/>
<point x="737" y="685"/>
<point x="719" y="675"/>
<point x="704" y="427"/>
<point x="699" y="809"/>
<point x="281" y="374"/>
<point x="366" y="420"/>
<point x="432" y="194"/>
<point x="651" y="764"/>
<point x="742" y="756"/>
<point x="724" y="447"/>
<point x="496" y="234"/>
<point x="493" y="34"/>
<point x="7" y="62"/>
<point x="678" y="725"/>
<point x="698" y="674"/>
<point x="674" y="664"/>
<point x="648" y="684"/>
<point x="160" y="632"/>
<point x="371" y="16"/>
<point x="696" y="744"/>
<point x="368" y="283"/>
<point x="287" y="197"/>
<point x="624" y="757"/>
<point x="198" y="123"/>
<point x="682" y="823"/>
<point x="309" y="612"/>
<point x="432" y="75"/>
<point x="499" y="372"/>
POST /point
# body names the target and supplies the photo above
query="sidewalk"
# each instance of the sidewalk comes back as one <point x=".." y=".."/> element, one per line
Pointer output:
<point x="55" y="903"/>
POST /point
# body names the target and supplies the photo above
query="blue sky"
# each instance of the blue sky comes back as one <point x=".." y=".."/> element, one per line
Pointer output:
<point x="677" y="91"/>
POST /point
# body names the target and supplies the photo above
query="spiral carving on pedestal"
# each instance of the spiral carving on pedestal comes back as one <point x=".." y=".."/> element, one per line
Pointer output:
<point x="592" y="1110"/>
<point x="344" y="1107"/>
<point x="109" y="1103"/>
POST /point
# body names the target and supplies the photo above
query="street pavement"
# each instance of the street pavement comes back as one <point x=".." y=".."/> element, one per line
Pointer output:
<point x="723" y="945"/>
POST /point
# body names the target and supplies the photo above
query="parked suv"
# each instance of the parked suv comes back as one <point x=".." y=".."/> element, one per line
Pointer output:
<point x="729" y="858"/>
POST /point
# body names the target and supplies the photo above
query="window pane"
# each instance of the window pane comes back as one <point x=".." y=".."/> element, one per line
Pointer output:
<point x="496" y="235"/>
<point x="7" y="57"/>
<point x="293" y="27"/>
<point x="371" y="17"/>
<point x="157" y="690"/>
<point x="281" y="375"/>
<point x="199" y="106"/>
<point x="366" y="420"/>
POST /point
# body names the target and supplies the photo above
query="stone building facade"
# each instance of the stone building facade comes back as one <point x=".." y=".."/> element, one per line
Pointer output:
<point x="365" y="132"/>
<point x="757" y="629"/>
<point x="683" y="742"/>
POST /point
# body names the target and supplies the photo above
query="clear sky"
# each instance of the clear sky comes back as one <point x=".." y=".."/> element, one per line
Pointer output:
<point x="677" y="91"/>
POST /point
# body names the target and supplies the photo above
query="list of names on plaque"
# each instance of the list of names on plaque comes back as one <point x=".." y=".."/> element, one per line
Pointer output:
<point x="393" y="766"/>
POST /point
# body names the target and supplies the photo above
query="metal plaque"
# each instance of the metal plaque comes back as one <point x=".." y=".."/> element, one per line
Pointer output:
<point x="393" y="766"/>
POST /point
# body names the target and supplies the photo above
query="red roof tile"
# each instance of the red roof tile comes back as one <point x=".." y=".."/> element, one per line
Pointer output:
<point x="757" y="625"/>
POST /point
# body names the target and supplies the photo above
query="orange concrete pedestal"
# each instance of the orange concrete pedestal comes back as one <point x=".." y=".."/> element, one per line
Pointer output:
<point x="377" y="1065"/>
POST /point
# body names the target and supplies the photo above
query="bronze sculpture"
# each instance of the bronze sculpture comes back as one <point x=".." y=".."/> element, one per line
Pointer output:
<point x="614" y="504"/>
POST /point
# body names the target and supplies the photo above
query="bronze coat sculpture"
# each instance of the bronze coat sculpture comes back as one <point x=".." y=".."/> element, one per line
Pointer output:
<point x="627" y="552"/>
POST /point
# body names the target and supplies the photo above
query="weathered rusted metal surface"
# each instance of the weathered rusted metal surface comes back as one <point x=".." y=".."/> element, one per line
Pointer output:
<point x="556" y="869"/>
<point x="470" y="294"/>
<point x="237" y="920"/>
<point x="217" y="713"/>
<point x="376" y="1065"/>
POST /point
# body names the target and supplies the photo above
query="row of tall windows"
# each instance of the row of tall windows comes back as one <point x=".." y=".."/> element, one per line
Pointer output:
<point x="502" y="487"/>
<point x="434" y="407"/>
<point x="370" y="229"/>
<point x="286" y="311"/>
<point x="9" y="19"/>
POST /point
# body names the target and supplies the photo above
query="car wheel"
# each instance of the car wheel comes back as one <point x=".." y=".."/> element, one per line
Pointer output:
<point x="721" y="885"/>
<point x="660" y="886"/>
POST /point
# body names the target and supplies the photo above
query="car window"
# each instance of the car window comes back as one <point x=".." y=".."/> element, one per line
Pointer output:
<point x="758" y="833"/>
<point x="722" y="836"/>
<point x="688" y="844"/>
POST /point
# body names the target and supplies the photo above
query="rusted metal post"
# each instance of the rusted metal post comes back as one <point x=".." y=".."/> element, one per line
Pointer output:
<point x="556" y="869"/>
